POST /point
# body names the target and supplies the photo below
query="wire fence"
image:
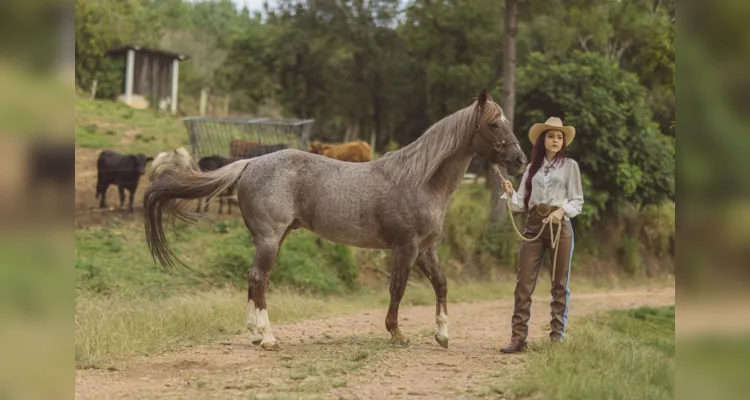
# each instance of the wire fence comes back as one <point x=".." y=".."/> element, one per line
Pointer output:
<point x="211" y="136"/>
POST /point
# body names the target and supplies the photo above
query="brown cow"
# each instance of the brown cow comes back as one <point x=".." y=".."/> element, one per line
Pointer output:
<point x="240" y="148"/>
<point x="356" y="151"/>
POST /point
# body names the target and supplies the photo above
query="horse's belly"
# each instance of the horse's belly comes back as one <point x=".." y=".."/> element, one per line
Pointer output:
<point x="352" y="238"/>
<point x="348" y="229"/>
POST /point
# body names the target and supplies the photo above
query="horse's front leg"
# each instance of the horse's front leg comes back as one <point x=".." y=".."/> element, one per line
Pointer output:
<point x="403" y="259"/>
<point x="428" y="264"/>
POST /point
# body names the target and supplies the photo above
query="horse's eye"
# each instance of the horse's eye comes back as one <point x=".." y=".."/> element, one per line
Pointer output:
<point x="494" y="125"/>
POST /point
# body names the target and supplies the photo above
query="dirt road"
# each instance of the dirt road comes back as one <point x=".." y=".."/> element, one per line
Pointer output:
<point x="349" y="357"/>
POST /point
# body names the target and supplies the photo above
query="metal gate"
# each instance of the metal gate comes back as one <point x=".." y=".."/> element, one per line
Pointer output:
<point x="211" y="135"/>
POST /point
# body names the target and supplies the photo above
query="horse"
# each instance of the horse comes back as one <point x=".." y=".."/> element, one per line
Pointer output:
<point x="356" y="151"/>
<point x="396" y="203"/>
<point x="239" y="148"/>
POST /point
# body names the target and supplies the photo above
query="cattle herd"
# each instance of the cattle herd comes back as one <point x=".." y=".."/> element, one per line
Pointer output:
<point x="125" y="170"/>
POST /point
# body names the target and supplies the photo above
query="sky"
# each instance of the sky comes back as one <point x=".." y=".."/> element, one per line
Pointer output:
<point x="252" y="5"/>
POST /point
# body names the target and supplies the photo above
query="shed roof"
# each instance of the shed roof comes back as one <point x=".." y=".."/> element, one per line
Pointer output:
<point x="124" y="48"/>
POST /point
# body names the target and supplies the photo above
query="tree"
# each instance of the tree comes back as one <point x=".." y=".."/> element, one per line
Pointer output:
<point x="638" y="34"/>
<point x="100" y="25"/>
<point x="508" y="100"/>
<point x="621" y="152"/>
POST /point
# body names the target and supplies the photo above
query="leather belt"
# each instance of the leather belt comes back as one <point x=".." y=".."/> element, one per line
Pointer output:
<point x="543" y="210"/>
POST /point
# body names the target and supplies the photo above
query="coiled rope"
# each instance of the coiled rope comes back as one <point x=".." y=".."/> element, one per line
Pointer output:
<point x="545" y="222"/>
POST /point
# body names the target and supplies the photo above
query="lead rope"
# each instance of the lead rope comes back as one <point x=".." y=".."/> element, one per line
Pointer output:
<point x="545" y="222"/>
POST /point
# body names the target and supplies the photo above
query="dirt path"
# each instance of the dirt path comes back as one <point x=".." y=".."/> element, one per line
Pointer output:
<point x="349" y="357"/>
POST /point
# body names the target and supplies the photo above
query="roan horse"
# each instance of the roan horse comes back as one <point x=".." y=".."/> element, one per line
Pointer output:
<point x="397" y="202"/>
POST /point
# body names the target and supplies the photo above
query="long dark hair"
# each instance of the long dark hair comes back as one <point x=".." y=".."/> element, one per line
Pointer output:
<point x="538" y="153"/>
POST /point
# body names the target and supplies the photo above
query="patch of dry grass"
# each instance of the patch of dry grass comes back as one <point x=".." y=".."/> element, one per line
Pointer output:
<point x="109" y="329"/>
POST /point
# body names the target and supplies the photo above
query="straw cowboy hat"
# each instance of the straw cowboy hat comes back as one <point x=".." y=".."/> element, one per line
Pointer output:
<point x="552" y="123"/>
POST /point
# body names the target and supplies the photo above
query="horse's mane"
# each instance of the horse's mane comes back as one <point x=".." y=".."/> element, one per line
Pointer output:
<point x="416" y="163"/>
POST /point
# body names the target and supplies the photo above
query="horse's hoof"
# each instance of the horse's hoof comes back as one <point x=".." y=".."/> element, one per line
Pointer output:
<point x="401" y="342"/>
<point x="442" y="341"/>
<point x="257" y="341"/>
<point x="272" y="346"/>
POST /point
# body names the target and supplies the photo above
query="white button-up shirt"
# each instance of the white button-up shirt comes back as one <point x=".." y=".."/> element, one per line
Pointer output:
<point x="556" y="186"/>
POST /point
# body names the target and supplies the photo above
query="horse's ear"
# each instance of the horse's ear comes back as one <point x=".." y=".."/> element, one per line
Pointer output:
<point x="482" y="97"/>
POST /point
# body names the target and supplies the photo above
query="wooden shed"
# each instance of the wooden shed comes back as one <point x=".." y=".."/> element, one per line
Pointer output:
<point x="151" y="73"/>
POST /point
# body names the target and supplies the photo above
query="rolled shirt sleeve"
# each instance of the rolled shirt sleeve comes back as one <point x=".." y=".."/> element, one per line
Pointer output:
<point x="574" y="205"/>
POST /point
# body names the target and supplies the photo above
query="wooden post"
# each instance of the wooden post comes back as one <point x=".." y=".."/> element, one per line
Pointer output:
<point x="204" y="101"/>
<point x="93" y="90"/>
<point x="129" y="77"/>
<point x="175" y="82"/>
<point x="226" y="104"/>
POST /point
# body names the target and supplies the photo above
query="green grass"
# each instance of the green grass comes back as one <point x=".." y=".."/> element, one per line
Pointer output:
<point x="714" y="365"/>
<point x="33" y="104"/>
<point x="112" y="125"/>
<point x="623" y="354"/>
<point x="114" y="260"/>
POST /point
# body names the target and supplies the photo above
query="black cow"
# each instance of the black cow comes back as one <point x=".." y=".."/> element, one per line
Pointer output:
<point x="123" y="170"/>
<point x="211" y="163"/>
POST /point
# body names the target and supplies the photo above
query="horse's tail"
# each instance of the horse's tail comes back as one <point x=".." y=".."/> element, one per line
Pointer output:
<point x="170" y="189"/>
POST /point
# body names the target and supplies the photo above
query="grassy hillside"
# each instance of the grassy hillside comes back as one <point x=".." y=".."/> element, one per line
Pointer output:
<point x="113" y="125"/>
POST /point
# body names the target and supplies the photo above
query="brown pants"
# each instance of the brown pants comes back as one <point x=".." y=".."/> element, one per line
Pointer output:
<point x="529" y="264"/>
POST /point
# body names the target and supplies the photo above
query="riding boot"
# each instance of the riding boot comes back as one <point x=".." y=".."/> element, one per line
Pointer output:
<point x="560" y="283"/>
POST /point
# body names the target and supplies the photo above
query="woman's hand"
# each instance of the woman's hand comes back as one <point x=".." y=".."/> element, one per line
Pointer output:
<point x="557" y="215"/>
<point x="508" y="187"/>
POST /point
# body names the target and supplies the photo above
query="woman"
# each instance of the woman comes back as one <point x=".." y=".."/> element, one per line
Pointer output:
<point x="550" y="188"/>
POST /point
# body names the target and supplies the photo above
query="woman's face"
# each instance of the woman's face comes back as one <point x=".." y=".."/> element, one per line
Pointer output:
<point x="553" y="142"/>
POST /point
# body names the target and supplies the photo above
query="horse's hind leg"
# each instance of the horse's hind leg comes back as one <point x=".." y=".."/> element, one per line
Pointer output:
<point x="257" y="309"/>
<point x="403" y="259"/>
<point x="266" y="252"/>
<point x="428" y="264"/>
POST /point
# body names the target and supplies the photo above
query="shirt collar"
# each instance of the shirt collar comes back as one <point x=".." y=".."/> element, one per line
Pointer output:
<point x="548" y="164"/>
